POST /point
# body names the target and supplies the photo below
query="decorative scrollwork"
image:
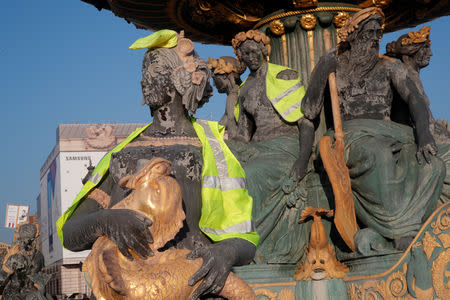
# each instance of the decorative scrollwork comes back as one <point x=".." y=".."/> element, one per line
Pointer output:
<point x="286" y="294"/>
<point x="441" y="275"/>
<point x="429" y="244"/>
<point x="442" y="222"/>
<point x="396" y="283"/>
<point x="393" y="287"/>
<point x="267" y="293"/>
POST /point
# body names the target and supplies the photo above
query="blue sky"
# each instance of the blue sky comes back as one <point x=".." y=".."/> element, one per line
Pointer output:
<point x="65" y="62"/>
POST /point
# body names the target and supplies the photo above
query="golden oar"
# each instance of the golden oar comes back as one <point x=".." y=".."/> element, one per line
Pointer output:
<point x="334" y="163"/>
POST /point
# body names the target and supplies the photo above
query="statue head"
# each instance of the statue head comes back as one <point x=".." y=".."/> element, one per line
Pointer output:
<point x="412" y="48"/>
<point x="226" y="71"/>
<point x="27" y="237"/>
<point x="177" y="70"/>
<point x="252" y="48"/>
<point x="360" y="37"/>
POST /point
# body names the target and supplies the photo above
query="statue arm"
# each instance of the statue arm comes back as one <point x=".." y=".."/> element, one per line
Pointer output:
<point x="126" y="228"/>
<point x="406" y="86"/>
<point x="229" y="108"/>
<point x="245" y="124"/>
<point x="312" y="104"/>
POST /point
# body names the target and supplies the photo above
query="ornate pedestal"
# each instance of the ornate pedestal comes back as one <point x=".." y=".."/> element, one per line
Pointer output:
<point x="421" y="272"/>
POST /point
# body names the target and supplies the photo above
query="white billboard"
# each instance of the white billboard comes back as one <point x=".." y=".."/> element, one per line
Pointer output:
<point x="16" y="215"/>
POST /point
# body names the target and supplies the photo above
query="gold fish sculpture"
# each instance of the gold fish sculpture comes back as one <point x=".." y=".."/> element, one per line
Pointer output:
<point x="321" y="262"/>
<point x="165" y="275"/>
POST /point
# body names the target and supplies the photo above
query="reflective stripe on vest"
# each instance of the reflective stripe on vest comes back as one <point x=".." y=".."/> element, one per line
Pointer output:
<point x="99" y="172"/>
<point x="285" y="95"/>
<point x="226" y="204"/>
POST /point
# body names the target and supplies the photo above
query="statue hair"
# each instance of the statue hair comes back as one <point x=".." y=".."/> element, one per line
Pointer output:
<point x="345" y="45"/>
<point x="162" y="64"/>
<point x="397" y="50"/>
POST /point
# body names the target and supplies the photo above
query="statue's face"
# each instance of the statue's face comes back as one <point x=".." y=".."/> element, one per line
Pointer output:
<point x="368" y="37"/>
<point x="250" y="53"/>
<point x="156" y="81"/>
<point x="202" y="89"/>
<point x="220" y="82"/>
<point x="26" y="244"/>
<point x="422" y="57"/>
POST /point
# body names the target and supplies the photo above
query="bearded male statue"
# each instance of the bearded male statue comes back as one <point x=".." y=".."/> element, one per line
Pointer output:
<point x="394" y="190"/>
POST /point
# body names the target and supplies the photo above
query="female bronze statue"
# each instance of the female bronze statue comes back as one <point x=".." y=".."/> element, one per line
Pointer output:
<point x="267" y="145"/>
<point x="175" y="82"/>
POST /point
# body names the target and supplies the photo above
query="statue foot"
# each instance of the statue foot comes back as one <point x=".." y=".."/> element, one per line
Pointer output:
<point x="401" y="244"/>
<point x="369" y="242"/>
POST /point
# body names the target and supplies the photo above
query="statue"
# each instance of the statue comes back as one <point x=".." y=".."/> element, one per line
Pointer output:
<point x="226" y="73"/>
<point x="175" y="82"/>
<point x="22" y="268"/>
<point x="393" y="191"/>
<point x="267" y="145"/>
<point x="413" y="49"/>
<point x="165" y="275"/>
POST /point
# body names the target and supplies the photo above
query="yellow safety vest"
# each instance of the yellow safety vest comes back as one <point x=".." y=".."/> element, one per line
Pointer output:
<point x="285" y="95"/>
<point x="236" y="214"/>
<point x="226" y="204"/>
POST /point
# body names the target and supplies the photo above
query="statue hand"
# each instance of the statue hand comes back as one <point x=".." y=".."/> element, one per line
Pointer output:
<point x="425" y="151"/>
<point x="217" y="262"/>
<point x="128" y="230"/>
<point x="298" y="170"/>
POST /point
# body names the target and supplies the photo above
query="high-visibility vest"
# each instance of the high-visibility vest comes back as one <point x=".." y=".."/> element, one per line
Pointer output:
<point x="285" y="95"/>
<point x="226" y="204"/>
<point x="235" y="213"/>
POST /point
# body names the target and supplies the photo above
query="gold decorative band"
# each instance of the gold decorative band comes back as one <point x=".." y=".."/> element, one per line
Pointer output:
<point x="306" y="11"/>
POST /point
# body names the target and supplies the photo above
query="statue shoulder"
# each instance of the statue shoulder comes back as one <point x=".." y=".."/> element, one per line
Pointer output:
<point x="288" y="74"/>
<point x="391" y="62"/>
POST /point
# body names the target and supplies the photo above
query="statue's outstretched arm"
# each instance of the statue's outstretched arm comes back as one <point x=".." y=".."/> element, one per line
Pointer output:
<point x="312" y="104"/>
<point x="218" y="259"/>
<point x="126" y="228"/>
<point x="406" y="86"/>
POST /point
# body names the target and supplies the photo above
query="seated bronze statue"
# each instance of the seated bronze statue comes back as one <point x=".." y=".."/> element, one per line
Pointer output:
<point x="267" y="145"/>
<point x="175" y="82"/>
<point x="397" y="172"/>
